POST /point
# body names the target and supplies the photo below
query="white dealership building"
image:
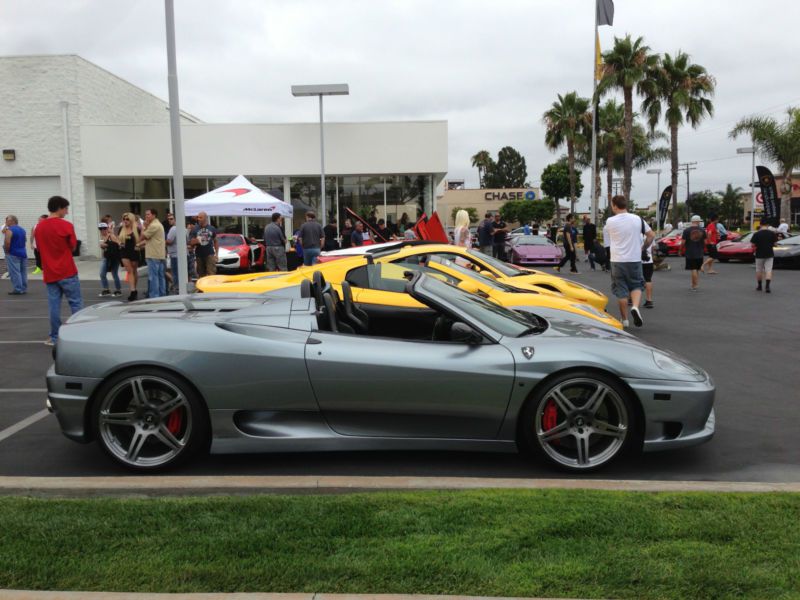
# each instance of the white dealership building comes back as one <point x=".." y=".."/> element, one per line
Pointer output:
<point x="70" y="128"/>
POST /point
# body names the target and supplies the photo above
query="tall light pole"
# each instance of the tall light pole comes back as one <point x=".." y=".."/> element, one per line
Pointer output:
<point x="751" y="150"/>
<point x="330" y="89"/>
<point x="177" y="154"/>
<point x="658" y="190"/>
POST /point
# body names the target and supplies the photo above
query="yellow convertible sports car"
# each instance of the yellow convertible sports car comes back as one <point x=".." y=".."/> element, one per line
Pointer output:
<point x="502" y="271"/>
<point x="385" y="275"/>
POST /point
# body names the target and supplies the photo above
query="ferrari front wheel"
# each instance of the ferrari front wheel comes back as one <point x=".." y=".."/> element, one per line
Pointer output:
<point x="149" y="420"/>
<point x="580" y="422"/>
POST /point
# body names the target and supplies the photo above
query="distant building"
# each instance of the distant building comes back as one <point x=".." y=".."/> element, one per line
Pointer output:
<point x="71" y="128"/>
<point x="482" y="200"/>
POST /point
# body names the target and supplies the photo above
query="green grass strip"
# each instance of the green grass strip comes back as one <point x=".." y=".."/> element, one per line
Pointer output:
<point x="557" y="543"/>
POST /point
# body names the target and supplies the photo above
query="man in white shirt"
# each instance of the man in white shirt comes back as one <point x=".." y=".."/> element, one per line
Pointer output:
<point x="623" y="233"/>
<point x="783" y="227"/>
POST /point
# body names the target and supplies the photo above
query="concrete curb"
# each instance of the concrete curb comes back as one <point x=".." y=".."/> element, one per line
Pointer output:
<point x="239" y="485"/>
<point x="33" y="595"/>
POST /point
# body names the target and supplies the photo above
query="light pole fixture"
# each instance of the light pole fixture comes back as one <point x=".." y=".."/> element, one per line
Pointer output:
<point x="751" y="150"/>
<point x="658" y="189"/>
<point x="329" y="89"/>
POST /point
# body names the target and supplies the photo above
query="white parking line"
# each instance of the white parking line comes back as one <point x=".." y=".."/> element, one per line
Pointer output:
<point x="22" y="342"/>
<point x="9" y="431"/>
<point x="22" y="390"/>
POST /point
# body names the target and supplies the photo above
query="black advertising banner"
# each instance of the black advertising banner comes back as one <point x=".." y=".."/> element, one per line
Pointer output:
<point x="663" y="204"/>
<point x="769" y="193"/>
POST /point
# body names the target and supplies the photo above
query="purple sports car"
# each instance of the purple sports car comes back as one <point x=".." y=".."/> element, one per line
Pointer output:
<point x="533" y="250"/>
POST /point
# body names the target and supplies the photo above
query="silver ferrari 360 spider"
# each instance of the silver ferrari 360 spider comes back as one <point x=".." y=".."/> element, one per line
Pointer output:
<point x="305" y="369"/>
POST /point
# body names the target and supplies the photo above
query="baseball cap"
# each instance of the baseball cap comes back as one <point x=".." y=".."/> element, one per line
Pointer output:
<point x="696" y="218"/>
<point x="102" y="225"/>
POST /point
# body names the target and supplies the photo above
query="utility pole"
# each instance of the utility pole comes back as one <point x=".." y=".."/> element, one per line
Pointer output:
<point x="687" y="167"/>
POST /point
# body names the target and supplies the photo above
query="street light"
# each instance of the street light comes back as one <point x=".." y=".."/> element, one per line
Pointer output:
<point x="751" y="150"/>
<point x="330" y="89"/>
<point x="658" y="187"/>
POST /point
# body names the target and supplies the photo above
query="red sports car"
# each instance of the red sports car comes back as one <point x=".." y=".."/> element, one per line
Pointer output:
<point x="236" y="253"/>
<point x="740" y="249"/>
<point x="672" y="243"/>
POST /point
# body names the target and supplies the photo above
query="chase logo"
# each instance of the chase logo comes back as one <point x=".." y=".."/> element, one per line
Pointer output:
<point x="530" y="195"/>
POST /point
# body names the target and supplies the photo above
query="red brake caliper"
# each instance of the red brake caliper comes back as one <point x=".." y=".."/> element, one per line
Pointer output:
<point x="174" y="421"/>
<point x="550" y="417"/>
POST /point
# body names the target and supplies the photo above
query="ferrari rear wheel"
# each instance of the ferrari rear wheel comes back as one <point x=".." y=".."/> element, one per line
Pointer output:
<point x="580" y="422"/>
<point x="149" y="420"/>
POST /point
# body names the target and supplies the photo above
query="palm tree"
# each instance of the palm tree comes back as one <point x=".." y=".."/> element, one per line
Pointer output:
<point x="780" y="143"/>
<point x="482" y="160"/>
<point x="680" y="90"/>
<point x="568" y="122"/>
<point x="611" y="144"/>
<point x="624" y="67"/>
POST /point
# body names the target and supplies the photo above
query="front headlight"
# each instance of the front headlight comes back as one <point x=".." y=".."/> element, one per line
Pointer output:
<point x="665" y="362"/>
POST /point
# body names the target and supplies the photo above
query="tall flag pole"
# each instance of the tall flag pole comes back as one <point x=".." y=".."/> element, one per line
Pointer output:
<point x="603" y="15"/>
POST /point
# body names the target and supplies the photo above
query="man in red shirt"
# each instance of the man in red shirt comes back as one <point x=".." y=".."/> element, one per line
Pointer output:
<point x="55" y="239"/>
<point x="712" y="238"/>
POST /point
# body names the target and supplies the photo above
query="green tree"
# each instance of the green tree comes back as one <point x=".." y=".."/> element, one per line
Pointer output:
<point x="482" y="161"/>
<point x="730" y="210"/>
<point x="625" y="66"/>
<point x="778" y="142"/>
<point x="471" y="211"/>
<point x="568" y="123"/>
<point x="528" y="211"/>
<point x="682" y="91"/>
<point x="555" y="182"/>
<point x="508" y="172"/>
<point x="704" y="204"/>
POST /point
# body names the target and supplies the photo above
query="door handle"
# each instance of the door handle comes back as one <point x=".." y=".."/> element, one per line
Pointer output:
<point x="313" y="341"/>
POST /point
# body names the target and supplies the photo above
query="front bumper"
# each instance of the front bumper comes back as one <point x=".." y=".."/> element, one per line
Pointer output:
<point x="678" y="414"/>
<point x="68" y="398"/>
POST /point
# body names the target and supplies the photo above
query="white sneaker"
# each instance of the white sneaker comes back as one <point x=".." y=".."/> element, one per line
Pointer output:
<point x="625" y="323"/>
<point x="49" y="342"/>
<point x="637" y="317"/>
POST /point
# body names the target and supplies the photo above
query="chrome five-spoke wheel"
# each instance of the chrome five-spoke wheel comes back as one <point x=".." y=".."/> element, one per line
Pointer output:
<point x="147" y="421"/>
<point x="580" y="423"/>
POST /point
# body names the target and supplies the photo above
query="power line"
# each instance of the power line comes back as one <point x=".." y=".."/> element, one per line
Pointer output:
<point x="687" y="167"/>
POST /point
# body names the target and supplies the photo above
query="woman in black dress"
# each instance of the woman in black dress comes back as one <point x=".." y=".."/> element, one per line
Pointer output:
<point x="128" y="238"/>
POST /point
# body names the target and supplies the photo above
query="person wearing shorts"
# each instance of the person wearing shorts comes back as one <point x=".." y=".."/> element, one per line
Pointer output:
<point x="712" y="239"/>
<point x="694" y="238"/>
<point x="624" y="232"/>
<point x="647" y="272"/>
<point x="764" y="239"/>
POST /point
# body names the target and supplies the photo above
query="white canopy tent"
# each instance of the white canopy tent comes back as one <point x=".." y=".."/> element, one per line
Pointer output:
<point x="239" y="198"/>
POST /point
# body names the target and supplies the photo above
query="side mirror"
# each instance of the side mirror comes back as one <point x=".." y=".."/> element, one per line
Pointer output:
<point x="461" y="332"/>
<point x="469" y="286"/>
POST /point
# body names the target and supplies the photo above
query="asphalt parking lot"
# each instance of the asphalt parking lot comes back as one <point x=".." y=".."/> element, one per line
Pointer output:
<point x="746" y="340"/>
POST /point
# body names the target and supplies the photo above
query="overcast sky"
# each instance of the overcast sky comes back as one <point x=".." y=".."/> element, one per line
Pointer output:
<point x="490" y="69"/>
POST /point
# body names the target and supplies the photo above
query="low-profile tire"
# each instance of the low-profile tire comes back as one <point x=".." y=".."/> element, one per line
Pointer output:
<point x="580" y="422"/>
<point x="148" y="419"/>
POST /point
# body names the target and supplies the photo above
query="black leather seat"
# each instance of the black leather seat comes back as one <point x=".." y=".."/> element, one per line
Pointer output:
<point x="318" y="288"/>
<point x="356" y="317"/>
<point x="305" y="289"/>
<point x="330" y="312"/>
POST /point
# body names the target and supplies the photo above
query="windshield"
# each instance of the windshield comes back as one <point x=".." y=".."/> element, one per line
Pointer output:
<point x="497" y="318"/>
<point x="792" y="241"/>
<point x="747" y="238"/>
<point x="470" y="273"/>
<point x="532" y="240"/>
<point x="498" y="265"/>
<point x="227" y="241"/>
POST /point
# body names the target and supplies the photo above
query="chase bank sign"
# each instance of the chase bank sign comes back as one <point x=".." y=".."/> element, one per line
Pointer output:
<point x="509" y="196"/>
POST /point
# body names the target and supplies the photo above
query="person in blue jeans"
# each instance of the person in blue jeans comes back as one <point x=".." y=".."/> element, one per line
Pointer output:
<point x="16" y="256"/>
<point x="55" y="238"/>
<point x="312" y="238"/>
<point x="110" y="261"/>
<point x="154" y="246"/>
